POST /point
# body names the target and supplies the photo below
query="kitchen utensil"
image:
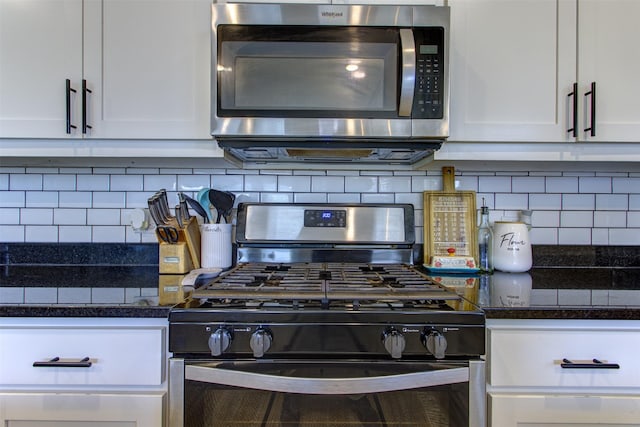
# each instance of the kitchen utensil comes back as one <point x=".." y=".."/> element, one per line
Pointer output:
<point x="203" y="199"/>
<point x="167" y="234"/>
<point x="222" y="202"/>
<point x="196" y="206"/>
<point x="511" y="247"/>
<point x="179" y="216"/>
<point x="227" y="214"/>
<point x="450" y="223"/>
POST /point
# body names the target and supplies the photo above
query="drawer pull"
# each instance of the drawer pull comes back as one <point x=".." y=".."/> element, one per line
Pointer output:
<point x="57" y="363"/>
<point x="597" y="364"/>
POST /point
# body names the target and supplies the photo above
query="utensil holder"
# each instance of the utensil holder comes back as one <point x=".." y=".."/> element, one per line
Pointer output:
<point x="216" y="245"/>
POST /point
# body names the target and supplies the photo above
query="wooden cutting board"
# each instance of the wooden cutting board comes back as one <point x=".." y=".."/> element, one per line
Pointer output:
<point x="449" y="220"/>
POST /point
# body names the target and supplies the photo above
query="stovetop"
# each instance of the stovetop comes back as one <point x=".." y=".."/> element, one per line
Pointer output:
<point x="322" y="285"/>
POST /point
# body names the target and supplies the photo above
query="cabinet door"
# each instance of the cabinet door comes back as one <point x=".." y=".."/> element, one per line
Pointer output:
<point x="608" y="55"/>
<point x="535" y="410"/>
<point x="80" y="410"/>
<point x="512" y="67"/>
<point x="148" y="66"/>
<point x="40" y="47"/>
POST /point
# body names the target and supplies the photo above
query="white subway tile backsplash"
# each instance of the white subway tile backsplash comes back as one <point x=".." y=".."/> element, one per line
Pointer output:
<point x="300" y="184"/>
<point x="193" y="183"/>
<point x="545" y="219"/>
<point x="59" y="182"/>
<point x="610" y="219"/>
<point x="377" y="198"/>
<point x="494" y="184"/>
<point x="228" y="182"/>
<point x="11" y="295"/>
<point x="127" y="182"/>
<point x="572" y="202"/>
<point x="12" y="199"/>
<point x="9" y="216"/>
<point x="564" y="184"/>
<point x="65" y="216"/>
<point x="528" y="184"/>
<point x="103" y="216"/>
<point x="574" y="296"/>
<point x="36" y="216"/>
<point x="12" y="233"/>
<point x="153" y="183"/>
<point x="624" y="236"/>
<point x="41" y="199"/>
<point x="594" y="185"/>
<point x="544" y="297"/>
<point x="75" y="233"/>
<point x="276" y="197"/>
<point x="426" y="183"/>
<point x="92" y="205"/>
<point x="626" y="185"/>
<point x="113" y="199"/>
<point x="545" y="201"/>
<point x="93" y="183"/>
<point x="28" y="182"/>
<point x="512" y="201"/>
<point x="108" y="234"/>
<point x="261" y="183"/>
<point x="40" y="295"/>
<point x="343" y="197"/>
<point x="600" y="236"/>
<point x="41" y="233"/>
<point x="310" y="198"/>
<point x="574" y="236"/>
<point x="327" y="184"/>
<point x="394" y="184"/>
<point x="4" y="181"/>
<point x="74" y="295"/>
<point x="612" y="202"/>
<point x="75" y="199"/>
<point x="571" y="219"/>
<point x="361" y="184"/>
<point x="107" y="295"/>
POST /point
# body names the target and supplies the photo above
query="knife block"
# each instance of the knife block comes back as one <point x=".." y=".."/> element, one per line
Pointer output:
<point x="174" y="258"/>
<point x="170" y="289"/>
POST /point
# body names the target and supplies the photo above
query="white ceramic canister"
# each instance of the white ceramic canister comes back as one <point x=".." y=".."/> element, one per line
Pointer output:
<point x="511" y="247"/>
<point x="216" y="246"/>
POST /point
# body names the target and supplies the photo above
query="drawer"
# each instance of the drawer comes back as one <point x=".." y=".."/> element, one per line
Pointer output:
<point x="532" y="357"/>
<point x="118" y="356"/>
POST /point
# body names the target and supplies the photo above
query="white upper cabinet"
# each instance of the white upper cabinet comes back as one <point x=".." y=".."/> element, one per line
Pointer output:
<point x="514" y="65"/>
<point x="145" y="64"/>
<point x="608" y="54"/>
<point x="40" y="48"/>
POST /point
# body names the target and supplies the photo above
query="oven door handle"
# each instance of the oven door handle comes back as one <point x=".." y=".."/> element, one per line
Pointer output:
<point x="407" y="86"/>
<point x="326" y="385"/>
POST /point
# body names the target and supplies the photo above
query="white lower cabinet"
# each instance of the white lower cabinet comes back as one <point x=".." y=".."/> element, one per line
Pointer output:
<point x="83" y="372"/>
<point x="563" y="373"/>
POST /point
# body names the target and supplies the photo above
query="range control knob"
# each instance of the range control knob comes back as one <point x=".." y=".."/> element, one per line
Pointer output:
<point x="219" y="341"/>
<point x="260" y="342"/>
<point x="434" y="342"/>
<point x="394" y="342"/>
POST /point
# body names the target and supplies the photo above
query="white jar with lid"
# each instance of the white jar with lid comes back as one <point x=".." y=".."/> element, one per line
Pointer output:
<point x="511" y="247"/>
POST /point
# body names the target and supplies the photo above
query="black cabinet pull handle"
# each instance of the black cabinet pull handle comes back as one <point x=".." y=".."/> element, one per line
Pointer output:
<point x="574" y="126"/>
<point x="57" y="363"/>
<point x="68" y="93"/>
<point x="592" y="92"/>
<point x="597" y="364"/>
<point x="85" y="126"/>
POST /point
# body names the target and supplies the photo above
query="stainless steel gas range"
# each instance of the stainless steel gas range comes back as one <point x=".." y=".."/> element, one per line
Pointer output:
<point x="325" y="321"/>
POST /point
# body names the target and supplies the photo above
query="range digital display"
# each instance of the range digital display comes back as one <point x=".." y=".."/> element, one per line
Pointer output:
<point x="325" y="218"/>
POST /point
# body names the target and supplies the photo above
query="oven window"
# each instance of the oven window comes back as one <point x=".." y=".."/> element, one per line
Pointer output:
<point x="215" y="405"/>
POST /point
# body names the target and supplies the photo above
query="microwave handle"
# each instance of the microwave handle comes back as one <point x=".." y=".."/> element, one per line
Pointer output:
<point x="408" y="56"/>
<point x="326" y="385"/>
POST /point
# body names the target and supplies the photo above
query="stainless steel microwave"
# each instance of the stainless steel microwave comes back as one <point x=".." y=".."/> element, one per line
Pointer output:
<point x="330" y="82"/>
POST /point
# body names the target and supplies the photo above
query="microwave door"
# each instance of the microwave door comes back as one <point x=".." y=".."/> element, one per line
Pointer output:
<point x="408" y="77"/>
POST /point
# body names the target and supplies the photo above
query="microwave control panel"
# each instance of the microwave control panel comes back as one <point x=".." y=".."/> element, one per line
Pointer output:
<point x="428" y="98"/>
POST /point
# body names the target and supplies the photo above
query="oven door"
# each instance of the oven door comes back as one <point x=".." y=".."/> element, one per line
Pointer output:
<point x="326" y="393"/>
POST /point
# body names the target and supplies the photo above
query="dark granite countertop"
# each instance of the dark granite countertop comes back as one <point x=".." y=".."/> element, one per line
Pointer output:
<point x="567" y="282"/>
